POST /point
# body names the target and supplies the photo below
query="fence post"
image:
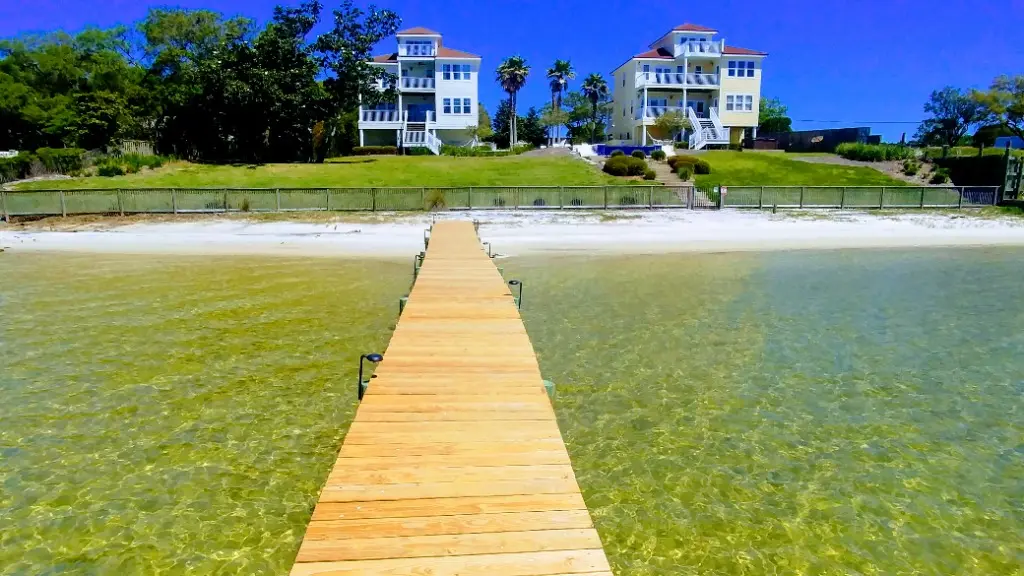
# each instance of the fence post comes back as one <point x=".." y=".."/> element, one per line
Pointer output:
<point x="720" y="198"/>
<point x="561" y="203"/>
<point x="327" y="200"/>
<point x="277" y="198"/>
<point x="423" y="198"/>
<point x="842" y="198"/>
<point x="922" y="197"/>
<point x="881" y="198"/>
<point x="760" y="199"/>
<point x="689" y="198"/>
<point x="469" y="198"/>
<point x="174" y="201"/>
<point x="802" y="188"/>
<point x="650" y="197"/>
<point x="3" y="205"/>
<point x="373" y="199"/>
<point x="225" y="201"/>
<point x="960" y="200"/>
<point x="63" y="206"/>
<point x="605" y="197"/>
<point x="120" y="203"/>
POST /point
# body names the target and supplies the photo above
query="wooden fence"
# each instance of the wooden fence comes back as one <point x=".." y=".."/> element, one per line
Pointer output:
<point x="222" y="200"/>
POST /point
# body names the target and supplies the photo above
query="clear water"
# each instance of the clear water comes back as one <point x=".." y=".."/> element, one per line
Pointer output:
<point x="175" y="415"/>
<point x="854" y="412"/>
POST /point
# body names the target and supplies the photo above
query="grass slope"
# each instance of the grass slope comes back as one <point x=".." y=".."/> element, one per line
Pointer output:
<point x="355" y="172"/>
<point x="774" y="169"/>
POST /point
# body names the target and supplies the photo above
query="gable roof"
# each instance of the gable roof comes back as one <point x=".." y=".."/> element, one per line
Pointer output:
<point x="656" y="53"/>
<point x="418" y="30"/>
<point x="445" y="52"/>
<point x="687" y="27"/>
<point x="393" y="57"/>
<point x="746" y="51"/>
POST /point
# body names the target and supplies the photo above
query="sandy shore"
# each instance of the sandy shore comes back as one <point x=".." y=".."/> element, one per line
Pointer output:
<point x="514" y="233"/>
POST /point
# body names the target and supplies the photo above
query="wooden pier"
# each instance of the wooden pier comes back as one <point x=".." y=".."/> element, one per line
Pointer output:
<point x="454" y="464"/>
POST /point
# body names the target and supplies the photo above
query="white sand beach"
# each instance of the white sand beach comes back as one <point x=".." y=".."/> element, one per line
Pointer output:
<point x="515" y="233"/>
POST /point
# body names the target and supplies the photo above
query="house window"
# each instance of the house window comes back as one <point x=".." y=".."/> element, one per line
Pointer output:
<point x="447" y="105"/>
<point x="733" y="66"/>
<point x="458" y="106"/>
<point x="465" y="72"/>
<point x="623" y="80"/>
<point x="739" y="102"/>
<point x="657" y="102"/>
<point x="698" y="69"/>
<point x="730" y="102"/>
<point x="465" y="105"/>
<point x="748" y="103"/>
<point x="647" y="71"/>
<point x="456" y="72"/>
<point x="750" y="69"/>
<point x="446" y="71"/>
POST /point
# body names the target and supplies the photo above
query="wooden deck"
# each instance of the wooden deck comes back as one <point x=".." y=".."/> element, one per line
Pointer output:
<point x="454" y="464"/>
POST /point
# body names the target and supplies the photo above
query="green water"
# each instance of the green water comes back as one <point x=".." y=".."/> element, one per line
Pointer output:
<point x="791" y="413"/>
<point x="175" y="415"/>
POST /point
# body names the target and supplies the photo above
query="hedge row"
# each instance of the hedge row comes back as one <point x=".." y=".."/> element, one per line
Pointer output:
<point x="59" y="160"/>
<point x="874" y="152"/>
<point x="621" y="165"/>
<point x="696" y="165"/>
<point x="374" y="150"/>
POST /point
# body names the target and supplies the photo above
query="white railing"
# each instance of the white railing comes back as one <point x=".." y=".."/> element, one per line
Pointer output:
<point x="380" y="116"/>
<point x="417" y="83"/>
<point x="697" y="48"/>
<point x="658" y="111"/>
<point x="676" y="79"/>
<point x="421" y="139"/>
<point x="716" y="135"/>
<point x="715" y="119"/>
<point x="416" y="50"/>
<point x="434" y="143"/>
<point x="697" y="136"/>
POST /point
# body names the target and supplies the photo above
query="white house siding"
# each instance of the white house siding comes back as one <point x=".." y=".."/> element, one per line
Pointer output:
<point x="457" y="89"/>
<point x="740" y="86"/>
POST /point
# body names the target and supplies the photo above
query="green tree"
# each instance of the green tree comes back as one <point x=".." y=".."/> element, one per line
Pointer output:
<point x="986" y="135"/>
<point x="532" y="129"/>
<point x="772" y="117"/>
<point x="558" y="79"/>
<point x="595" y="89"/>
<point x="511" y="75"/>
<point x="482" y="131"/>
<point x="953" y="112"/>
<point x="553" y="119"/>
<point x="502" y="124"/>
<point x="1003" y="103"/>
<point x="673" y="122"/>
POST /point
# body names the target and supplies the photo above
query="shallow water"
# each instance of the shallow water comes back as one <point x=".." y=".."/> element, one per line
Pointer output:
<point x="173" y="415"/>
<point x="846" y="412"/>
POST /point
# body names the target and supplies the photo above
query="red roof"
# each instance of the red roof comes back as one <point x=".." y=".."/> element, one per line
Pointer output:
<point x="419" y="30"/>
<point x="693" y="28"/>
<point x="444" y="52"/>
<point x="656" y="53"/>
<point x="393" y="57"/>
<point x="747" y="51"/>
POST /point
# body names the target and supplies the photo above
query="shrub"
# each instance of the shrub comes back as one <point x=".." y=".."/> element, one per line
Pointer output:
<point x="684" y="171"/>
<point x="520" y="148"/>
<point x="658" y="155"/>
<point x="650" y="174"/>
<point x="623" y="165"/>
<point x="617" y="153"/>
<point x="374" y="150"/>
<point x="639" y="154"/>
<point x="436" y="200"/>
<point x="911" y="167"/>
<point x="135" y="162"/>
<point x="940" y="176"/>
<point x="480" y="151"/>
<point x="61" y="160"/>
<point x="701" y="167"/>
<point x="16" y="168"/>
<point x="109" y="168"/>
<point x="974" y="170"/>
<point x="874" y="152"/>
<point x="736" y="147"/>
<point x="683" y="160"/>
<point x="636" y="166"/>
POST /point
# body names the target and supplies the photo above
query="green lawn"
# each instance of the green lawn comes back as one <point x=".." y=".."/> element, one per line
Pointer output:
<point x="775" y="169"/>
<point x="394" y="171"/>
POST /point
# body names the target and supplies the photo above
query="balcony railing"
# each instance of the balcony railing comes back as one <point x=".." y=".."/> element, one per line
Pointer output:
<point x="417" y="83"/>
<point x="416" y="50"/>
<point x="659" y="111"/>
<point x="380" y="116"/>
<point x="697" y="48"/>
<point x="674" y="79"/>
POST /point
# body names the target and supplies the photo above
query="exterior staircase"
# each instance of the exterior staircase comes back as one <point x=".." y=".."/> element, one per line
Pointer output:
<point x="418" y="135"/>
<point x="707" y="131"/>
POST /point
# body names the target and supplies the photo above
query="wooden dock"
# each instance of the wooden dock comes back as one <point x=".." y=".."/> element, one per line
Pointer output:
<point x="454" y="464"/>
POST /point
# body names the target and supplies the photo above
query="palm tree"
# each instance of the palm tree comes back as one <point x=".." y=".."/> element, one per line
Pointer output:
<point x="595" y="89"/>
<point x="559" y="75"/>
<point x="512" y="75"/>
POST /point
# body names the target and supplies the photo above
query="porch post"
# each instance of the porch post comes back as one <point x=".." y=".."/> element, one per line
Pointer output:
<point x="362" y="139"/>
<point x="643" y="118"/>
<point x="686" y="72"/>
<point x="755" y="132"/>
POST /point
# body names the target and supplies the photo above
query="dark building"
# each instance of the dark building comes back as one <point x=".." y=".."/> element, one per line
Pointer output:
<point x="812" y="140"/>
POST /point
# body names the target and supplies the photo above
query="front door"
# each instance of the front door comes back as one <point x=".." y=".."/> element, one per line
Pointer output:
<point x="417" y="112"/>
<point x="698" y="107"/>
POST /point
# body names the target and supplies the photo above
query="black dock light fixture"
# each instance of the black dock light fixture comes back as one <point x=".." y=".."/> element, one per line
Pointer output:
<point x="519" y="299"/>
<point x="372" y="357"/>
<point x="488" y="244"/>
<point x="426" y="239"/>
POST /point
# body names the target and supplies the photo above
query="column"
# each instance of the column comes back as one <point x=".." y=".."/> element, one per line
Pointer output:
<point x="643" y="118"/>
<point x="362" y="138"/>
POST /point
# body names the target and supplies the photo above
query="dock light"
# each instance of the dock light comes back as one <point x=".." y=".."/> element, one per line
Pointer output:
<point x="372" y="357"/>
<point x="488" y="244"/>
<point x="519" y="299"/>
<point x="426" y="239"/>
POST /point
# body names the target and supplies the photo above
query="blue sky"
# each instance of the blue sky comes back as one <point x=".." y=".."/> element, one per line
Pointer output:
<point x="853" y="62"/>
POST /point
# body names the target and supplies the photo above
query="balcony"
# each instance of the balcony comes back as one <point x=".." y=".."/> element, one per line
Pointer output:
<point x="655" y="112"/>
<point x="677" y="80"/>
<point x="380" y="117"/>
<point x="696" y="49"/>
<point x="417" y="50"/>
<point x="417" y="83"/>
